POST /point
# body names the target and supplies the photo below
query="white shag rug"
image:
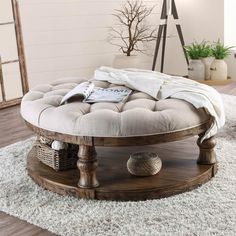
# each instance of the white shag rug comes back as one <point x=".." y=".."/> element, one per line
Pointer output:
<point x="208" y="210"/>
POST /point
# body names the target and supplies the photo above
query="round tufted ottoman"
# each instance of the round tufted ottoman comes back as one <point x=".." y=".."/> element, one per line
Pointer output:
<point x="141" y="120"/>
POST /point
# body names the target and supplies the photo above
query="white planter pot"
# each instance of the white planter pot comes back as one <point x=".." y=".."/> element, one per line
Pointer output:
<point x="219" y="70"/>
<point x="207" y="63"/>
<point x="196" y="70"/>
<point x="123" y="61"/>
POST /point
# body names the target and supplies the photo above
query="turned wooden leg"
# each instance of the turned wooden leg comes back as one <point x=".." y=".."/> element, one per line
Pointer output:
<point x="87" y="165"/>
<point x="207" y="154"/>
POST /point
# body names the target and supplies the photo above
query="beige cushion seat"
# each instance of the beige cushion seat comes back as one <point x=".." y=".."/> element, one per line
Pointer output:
<point x="140" y="115"/>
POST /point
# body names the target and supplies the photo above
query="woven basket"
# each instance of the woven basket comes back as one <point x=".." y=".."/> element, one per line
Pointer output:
<point x="58" y="160"/>
<point x="144" y="164"/>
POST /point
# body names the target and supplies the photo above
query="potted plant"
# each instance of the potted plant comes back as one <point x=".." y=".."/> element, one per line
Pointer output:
<point x="196" y="69"/>
<point x="218" y="66"/>
<point x="131" y="32"/>
<point x="206" y="57"/>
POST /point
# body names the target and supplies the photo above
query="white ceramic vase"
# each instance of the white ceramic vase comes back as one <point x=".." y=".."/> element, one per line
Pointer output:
<point x="196" y="70"/>
<point x="219" y="70"/>
<point x="207" y="63"/>
<point x="123" y="61"/>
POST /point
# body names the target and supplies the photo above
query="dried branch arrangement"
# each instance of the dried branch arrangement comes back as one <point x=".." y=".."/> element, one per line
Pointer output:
<point x="132" y="29"/>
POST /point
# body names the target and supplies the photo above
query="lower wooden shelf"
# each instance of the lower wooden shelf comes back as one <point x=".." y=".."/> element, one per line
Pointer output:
<point x="180" y="173"/>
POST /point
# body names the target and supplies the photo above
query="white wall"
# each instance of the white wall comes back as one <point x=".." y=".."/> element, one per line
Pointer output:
<point x="230" y="34"/>
<point x="69" y="37"/>
<point x="200" y="20"/>
<point x="229" y="24"/>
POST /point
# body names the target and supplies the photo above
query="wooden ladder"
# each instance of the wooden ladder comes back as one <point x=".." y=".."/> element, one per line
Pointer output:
<point x="21" y="58"/>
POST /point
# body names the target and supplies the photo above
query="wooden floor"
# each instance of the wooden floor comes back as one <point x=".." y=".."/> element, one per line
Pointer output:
<point x="13" y="129"/>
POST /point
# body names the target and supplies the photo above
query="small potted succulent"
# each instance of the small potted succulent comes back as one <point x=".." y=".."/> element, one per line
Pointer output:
<point x="196" y="69"/>
<point x="219" y="68"/>
<point x="130" y="32"/>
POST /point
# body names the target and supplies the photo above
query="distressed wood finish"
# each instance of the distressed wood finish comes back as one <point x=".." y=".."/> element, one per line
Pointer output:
<point x="87" y="165"/>
<point x="9" y="62"/>
<point x="122" y="141"/>
<point x="10" y="103"/>
<point x="207" y="155"/>
<point x="20" y="46"/>
<point x="21" y="55"/>
<point x="180" y="173"/>
<point x="87" y="162"/>
<point x="12" y="122"/>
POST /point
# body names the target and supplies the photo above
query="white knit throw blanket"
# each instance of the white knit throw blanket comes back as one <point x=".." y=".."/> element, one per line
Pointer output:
<point x="162" y="86"/>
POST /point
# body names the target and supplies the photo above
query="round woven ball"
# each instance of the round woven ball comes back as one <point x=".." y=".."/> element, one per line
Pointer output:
<point x="144" y="164"/>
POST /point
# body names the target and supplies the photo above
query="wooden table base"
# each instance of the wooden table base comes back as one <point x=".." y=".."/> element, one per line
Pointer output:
<point x="180" y="173"/>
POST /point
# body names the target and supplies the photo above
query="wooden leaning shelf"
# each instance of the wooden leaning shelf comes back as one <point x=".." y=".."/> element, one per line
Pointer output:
<point x="110" y="180"/>
<point x="16" y="22"/>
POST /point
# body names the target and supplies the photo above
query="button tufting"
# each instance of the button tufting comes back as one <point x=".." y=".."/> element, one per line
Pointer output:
<point x="139" y="115"/>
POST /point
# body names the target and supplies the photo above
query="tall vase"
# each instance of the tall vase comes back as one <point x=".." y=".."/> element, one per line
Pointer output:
<point x="219" y="70"/>
<point x="123" y="61"/>
<point x="207" y="62"/>
<point x="196" y="70"/>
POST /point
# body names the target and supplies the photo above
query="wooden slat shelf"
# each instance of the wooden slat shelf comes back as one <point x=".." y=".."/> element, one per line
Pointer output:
<point x="9" y="62"/>
<point x="10" y="103"/>
<point x="7" y="23"/>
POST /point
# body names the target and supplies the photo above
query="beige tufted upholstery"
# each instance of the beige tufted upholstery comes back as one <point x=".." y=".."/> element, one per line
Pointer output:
<point x="140" y="115"/>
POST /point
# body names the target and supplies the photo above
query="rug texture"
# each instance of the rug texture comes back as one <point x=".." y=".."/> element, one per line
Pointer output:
<point x="208" y="210"/>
